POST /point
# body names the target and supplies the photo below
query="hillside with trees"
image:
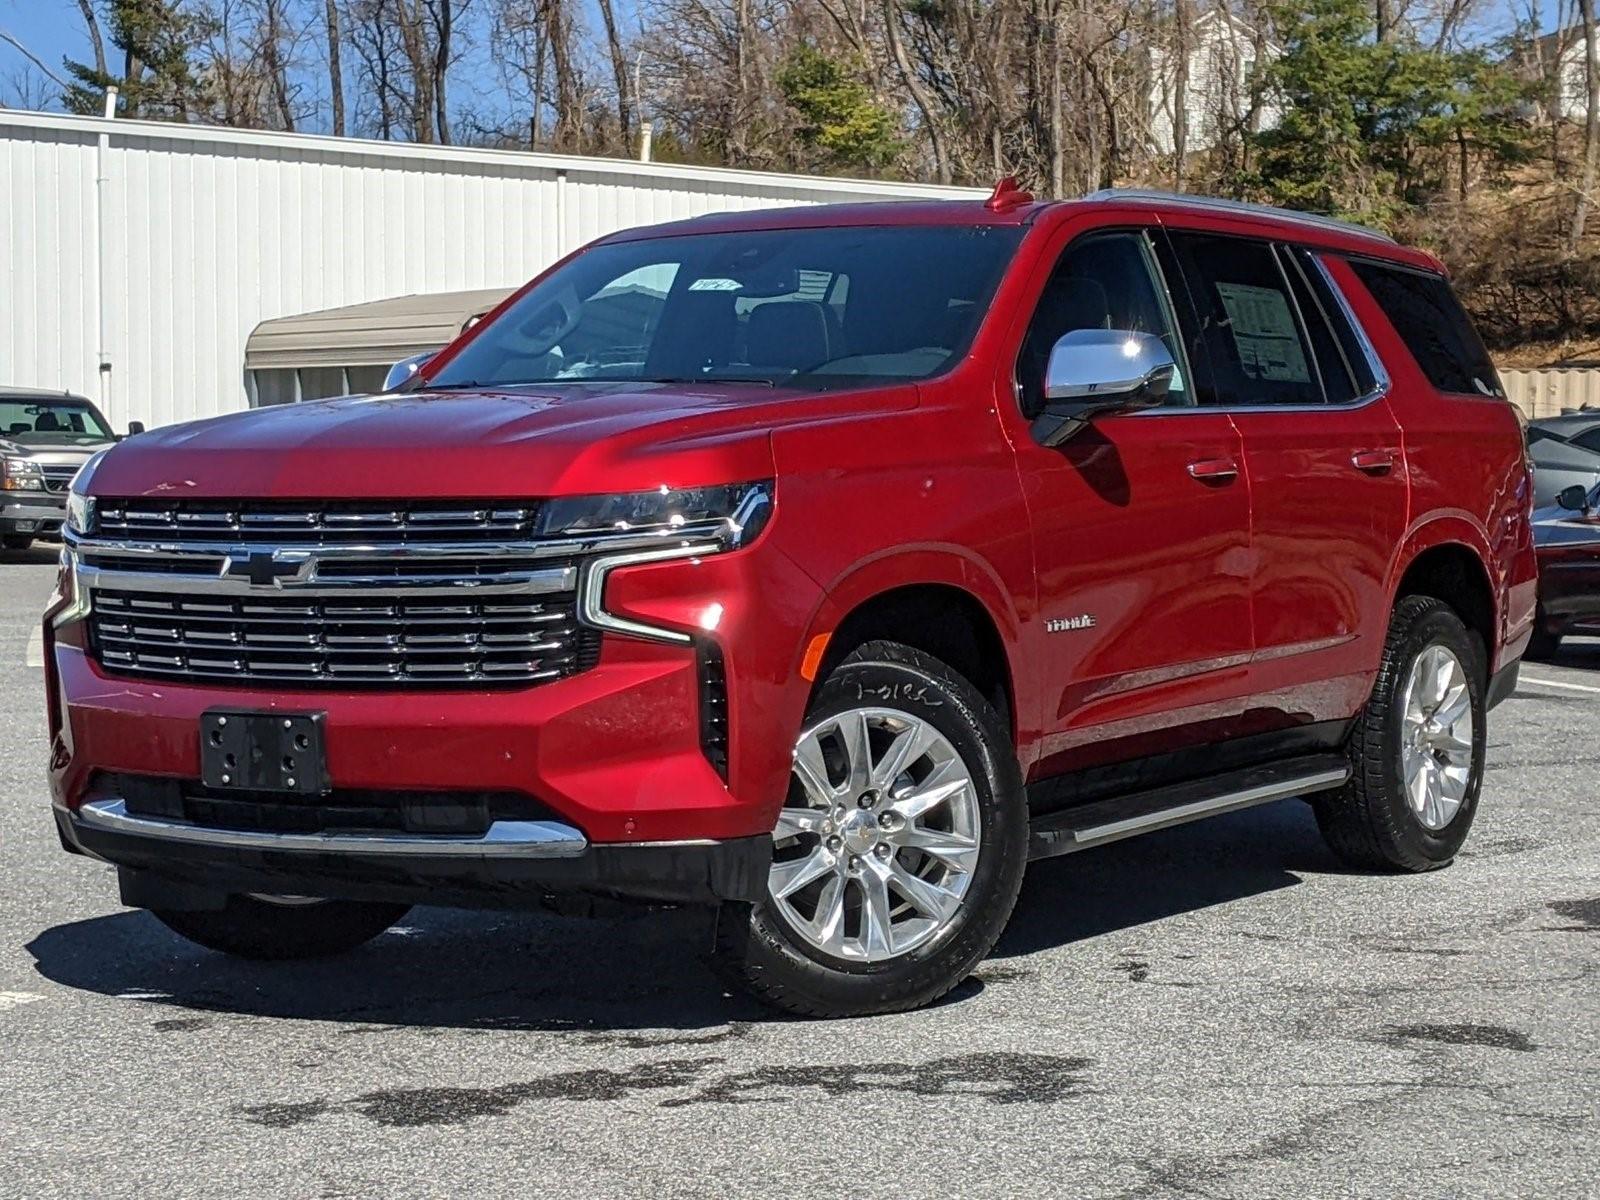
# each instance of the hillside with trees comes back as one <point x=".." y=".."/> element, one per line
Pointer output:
<point x="1461" y="125"/>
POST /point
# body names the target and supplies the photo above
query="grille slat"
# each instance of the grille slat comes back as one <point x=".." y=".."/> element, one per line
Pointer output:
<point x="312" y="523"/>
<point x="58" y="476"/>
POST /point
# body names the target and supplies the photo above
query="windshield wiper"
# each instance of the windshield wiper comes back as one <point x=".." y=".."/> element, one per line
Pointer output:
<point x="761" y="379"/>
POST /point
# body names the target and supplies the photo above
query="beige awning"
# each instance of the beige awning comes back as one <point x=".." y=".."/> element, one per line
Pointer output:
<point x="376" y="334"/>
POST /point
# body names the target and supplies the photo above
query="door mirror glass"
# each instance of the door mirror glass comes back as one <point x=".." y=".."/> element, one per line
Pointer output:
<point x="403" y="371"/>
<point x="1574" y="498"/>
<point x="1093" y="372"/>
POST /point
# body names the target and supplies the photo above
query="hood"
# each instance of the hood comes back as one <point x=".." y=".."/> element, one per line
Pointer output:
<point x="72" y="455"/>
<point x="563" y="440"/>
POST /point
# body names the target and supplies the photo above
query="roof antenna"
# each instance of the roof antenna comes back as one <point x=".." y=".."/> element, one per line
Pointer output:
<point x="1007" y="194"/>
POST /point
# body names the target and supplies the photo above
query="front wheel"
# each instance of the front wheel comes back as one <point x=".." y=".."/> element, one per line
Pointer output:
<point x="15" y="541"/>
<point x="900" y="849"/>
<point x="1417" y="751"/>
<point x="283" y="927"/>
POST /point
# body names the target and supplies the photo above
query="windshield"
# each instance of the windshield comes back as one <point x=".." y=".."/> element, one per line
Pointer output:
<point x="34" y="422"/>
<point x="804" y="307"/>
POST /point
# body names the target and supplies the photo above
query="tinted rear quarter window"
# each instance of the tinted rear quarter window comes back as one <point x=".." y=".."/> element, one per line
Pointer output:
<point x="1430" y="320"/>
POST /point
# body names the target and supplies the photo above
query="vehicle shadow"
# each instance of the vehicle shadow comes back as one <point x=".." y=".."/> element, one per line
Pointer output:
<point x="1160" y="875"/>
<point x="602" y="977"/>
<point x="40" y="553"/>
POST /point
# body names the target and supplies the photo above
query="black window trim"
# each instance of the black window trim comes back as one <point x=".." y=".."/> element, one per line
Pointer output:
<point x="1145" y="236"/>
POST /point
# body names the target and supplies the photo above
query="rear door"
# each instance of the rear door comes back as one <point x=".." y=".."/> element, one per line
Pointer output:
<point x="1325" y="459"/>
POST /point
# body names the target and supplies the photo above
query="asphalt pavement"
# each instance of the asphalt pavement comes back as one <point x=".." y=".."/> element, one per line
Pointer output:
<point x="1217" y="1011"/>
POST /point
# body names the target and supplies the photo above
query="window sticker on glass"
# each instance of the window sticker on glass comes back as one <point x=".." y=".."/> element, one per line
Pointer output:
<point x="1264" y="333"/>
<point x="715" y="285"/>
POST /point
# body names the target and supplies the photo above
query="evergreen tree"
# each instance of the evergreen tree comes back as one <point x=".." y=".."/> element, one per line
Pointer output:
<point x="157" y="77"/>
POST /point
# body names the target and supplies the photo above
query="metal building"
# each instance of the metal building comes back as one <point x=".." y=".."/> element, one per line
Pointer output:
<point x="138" y="256"/>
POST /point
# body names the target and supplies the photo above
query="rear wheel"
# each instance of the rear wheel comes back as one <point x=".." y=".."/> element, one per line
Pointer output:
<point x="899" y="852"/>
<point x="1417" y="750"/>
<point x="283" y="927"/>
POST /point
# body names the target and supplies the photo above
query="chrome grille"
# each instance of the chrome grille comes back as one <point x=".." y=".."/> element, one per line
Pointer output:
<point x="58" y="476"/>
<point x="359" y="639"/>
<point x="376" y="523"/>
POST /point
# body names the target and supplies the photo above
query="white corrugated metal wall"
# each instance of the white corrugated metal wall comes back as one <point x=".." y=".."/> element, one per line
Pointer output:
<point x="209" y="231"/>
<point x="1547" y="391"/>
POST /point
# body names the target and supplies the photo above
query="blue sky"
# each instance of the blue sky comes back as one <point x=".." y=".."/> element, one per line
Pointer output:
<point x="53" y="29"/>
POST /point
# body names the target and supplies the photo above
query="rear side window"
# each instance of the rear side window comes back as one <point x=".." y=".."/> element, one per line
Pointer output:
<point x="1429" y="319"/>
<point x="1249" y="323"/>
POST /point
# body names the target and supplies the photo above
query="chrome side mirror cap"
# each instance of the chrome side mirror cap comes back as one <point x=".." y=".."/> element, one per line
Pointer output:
<point x="405" y="370"/>
<point x="1093" y="372"/>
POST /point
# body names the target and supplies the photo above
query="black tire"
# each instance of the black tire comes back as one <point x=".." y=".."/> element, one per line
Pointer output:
<point x="262" y="929"/>
<point x="1543" y="645"/>
<point x="1369" y="823"/>
<point x="759" y="951"/>
<point x="16" y="541"/>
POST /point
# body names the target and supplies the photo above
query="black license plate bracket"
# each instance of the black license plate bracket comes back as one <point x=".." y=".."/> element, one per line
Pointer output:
<point x="244" y="750"/>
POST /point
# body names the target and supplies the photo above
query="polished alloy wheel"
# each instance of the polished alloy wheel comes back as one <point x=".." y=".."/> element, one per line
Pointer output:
<point x="1436" y="732"/>
<point x="879" y="839"/>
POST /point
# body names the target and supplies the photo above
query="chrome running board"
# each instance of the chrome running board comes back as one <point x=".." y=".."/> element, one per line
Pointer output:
<point x="1121" y="817"/>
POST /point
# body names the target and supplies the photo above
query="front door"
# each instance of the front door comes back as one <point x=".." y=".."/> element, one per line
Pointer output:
<point x="1140" y="526"/>
<point x="1326" y="462"/>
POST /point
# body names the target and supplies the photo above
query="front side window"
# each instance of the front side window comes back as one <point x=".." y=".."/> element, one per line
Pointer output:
<point x="1430" y="320"/>
<point x="1102" y="281"/>
<point x="51" y="422"/>
<point x="811" y="308"/>
<point x="1248" y="323"/>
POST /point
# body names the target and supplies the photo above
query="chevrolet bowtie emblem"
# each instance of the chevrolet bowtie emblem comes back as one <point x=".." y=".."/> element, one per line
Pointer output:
<point x="269" y="568"/>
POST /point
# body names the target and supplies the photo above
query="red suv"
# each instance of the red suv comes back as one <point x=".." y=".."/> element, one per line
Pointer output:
<point x="825" y="565"/>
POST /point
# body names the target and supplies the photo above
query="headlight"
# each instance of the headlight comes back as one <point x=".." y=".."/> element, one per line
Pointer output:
<point x="80" y="513"/>
<point x="21" y="475"/>
<point x="80" y="505"/>
<point x="728" y="514"/>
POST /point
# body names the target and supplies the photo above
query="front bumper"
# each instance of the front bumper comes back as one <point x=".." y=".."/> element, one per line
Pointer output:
<point x="178" y="864"/>
<point x="32" y="512"/>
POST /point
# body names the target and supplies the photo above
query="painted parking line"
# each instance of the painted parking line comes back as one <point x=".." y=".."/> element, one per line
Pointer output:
<point x="1558" y="683"/>
<point x="10" y="1000"/>
<point x="35" y="653"/>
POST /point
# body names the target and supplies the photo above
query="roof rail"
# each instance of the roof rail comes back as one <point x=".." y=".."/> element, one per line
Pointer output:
<point x="1241" y="208"/>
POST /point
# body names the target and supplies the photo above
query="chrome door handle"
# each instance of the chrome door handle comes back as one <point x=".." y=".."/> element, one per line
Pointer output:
<point x="1214" y="469"/>
<point x="1373" y="462"/>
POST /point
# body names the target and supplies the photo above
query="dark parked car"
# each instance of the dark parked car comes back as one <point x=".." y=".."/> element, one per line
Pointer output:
<point x="1565" y="451"/>
<point x="823" y="564"/>
<point x="44" y="438"/>
<point x="1566" y="537"/>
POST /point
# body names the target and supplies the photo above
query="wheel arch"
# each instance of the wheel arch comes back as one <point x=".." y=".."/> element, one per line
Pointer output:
<point x="1452" y="568"/>
<point x="942" y="604"/>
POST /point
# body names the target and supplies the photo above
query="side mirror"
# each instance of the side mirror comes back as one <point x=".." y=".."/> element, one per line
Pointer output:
<point x="135" y="427"/>
<point x="1574" y="498"/>
<point x="405" y="370"/>
<point x="1093" y="372"/>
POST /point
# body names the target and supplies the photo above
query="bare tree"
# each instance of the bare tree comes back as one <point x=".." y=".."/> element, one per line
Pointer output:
<point x="86" y="7"/>
<point x="1591" y="124"/>
<point x="619" y="68"/>
<point x="335" y="75"/>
